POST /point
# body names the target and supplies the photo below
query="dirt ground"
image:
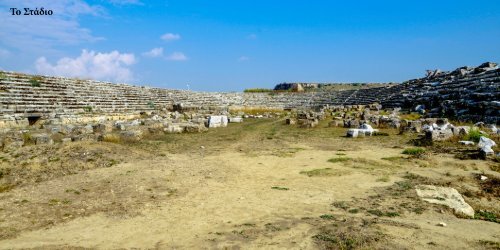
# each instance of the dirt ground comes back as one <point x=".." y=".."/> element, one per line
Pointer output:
<point x="259" y="184"/>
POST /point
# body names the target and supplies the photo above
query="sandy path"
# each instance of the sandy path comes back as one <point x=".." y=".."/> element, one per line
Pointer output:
<point x="223" y="191"/>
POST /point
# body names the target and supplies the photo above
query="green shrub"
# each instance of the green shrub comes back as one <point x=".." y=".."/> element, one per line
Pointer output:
<point x="87" y="109"/>
<point x="151" y="105"/>
<point x="327" y="217"/>
<point x="414" y="151"/>
<point x="339" y="159"/>
<point x="486" y="215"/>
<point x="411" y="116"/>
<point x="257" y="90"/>
<point x="474" y="135"/>
<point x="35" y="81"/>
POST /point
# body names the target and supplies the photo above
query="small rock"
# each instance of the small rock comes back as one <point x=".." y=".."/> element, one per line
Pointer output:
<point x="483" y="178"/>
<point x="442" y="224"/>
<point x="466" y="142"/>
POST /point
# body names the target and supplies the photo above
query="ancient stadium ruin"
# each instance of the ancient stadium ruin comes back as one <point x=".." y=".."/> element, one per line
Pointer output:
<point x="90" y="164"/>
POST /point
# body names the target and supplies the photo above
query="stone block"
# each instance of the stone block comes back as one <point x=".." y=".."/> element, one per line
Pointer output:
<point x="42" y="139"/>
<point x="216" y="121"/>
<point x="102" y="128"/>
<point x="439" y="135"/>
<point x="235" y="119"/>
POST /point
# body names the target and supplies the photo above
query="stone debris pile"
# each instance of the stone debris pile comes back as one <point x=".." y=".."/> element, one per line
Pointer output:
<point x="55" y="130"/>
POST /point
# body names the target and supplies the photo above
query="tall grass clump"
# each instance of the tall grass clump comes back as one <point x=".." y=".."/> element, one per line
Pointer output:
<point x="474" y="135"/>
<point x="414" y="151"/>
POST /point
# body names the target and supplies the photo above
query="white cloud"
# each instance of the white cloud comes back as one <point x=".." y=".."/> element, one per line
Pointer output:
<point x="156" y="52"/>
<point x="176" y="56"/>
<point x="170" y="37"/>
<point x="35" y="33"/>
<point x="243" y="58"/>
<point x="252" y="37"/>
<point x="112" y="66"/>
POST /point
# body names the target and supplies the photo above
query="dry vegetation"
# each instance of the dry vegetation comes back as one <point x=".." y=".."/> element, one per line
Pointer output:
<point x="258" y="184"/>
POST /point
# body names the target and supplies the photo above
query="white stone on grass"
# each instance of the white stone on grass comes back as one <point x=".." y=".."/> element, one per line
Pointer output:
<point x="235" y="119"/>
<point x="216" y="121"/>
<point x="466" y="142"/>
<point x="485" y="144"/>
<point x="445" y="196"/>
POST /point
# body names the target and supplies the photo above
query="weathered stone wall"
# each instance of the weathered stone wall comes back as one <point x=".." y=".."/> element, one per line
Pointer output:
<point x="469" y="94"/>
<point x="466" y="93"/>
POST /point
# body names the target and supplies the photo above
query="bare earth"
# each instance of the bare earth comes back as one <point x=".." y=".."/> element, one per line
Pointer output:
<point x="260" y="184"/>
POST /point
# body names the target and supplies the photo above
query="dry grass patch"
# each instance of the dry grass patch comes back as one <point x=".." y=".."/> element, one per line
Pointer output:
<point x="324" y="172"/>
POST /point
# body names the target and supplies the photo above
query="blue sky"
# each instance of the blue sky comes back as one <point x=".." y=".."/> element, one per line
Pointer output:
<point x="232" y="45"/>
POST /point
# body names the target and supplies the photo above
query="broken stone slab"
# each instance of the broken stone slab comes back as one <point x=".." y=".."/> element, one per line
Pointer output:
<point x="173" y="128"/>
<point x="42" y="139"/>
<point x="483" y="141"/>
<point x="466" y="142"/>
<point x="356" y="132"/>
<point x="217" y="121"/>
<point x="131" y="135"/>
<point x="235" y="119"/>
<point x="461" y="130"/>
<point x="193" y="128"/>
<point x="439" y="135"/>
<point x="485" y="146"/>
<point x="445" y="196"/>
<point x="307" y="123"/>
<point x="102" y="128"/>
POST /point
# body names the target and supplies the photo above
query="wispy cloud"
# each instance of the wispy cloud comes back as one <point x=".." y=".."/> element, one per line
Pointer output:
<point x="29" y="33"/>
<point x="112" y="66"/>
<point x="243" y="58"/>
<point x="177" y="56"/>
<point x="170" y="37"/>
<point x="155" y="52"/>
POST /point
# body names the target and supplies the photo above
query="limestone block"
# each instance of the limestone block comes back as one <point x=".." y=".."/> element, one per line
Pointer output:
<point x="439" y="135"/>
<point x="173" y="128"/>
<point x="131" y="135"/>
<point x="102" y="128"/>
<point x="216" y="121"/>
<point x="445" y="196"/>
<point x="485" y="146"/>
<point x="194" y="128"/>
<point x="460" y="130"/>
<point x="42" y="139"/>
<point x="235" y="119"/>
